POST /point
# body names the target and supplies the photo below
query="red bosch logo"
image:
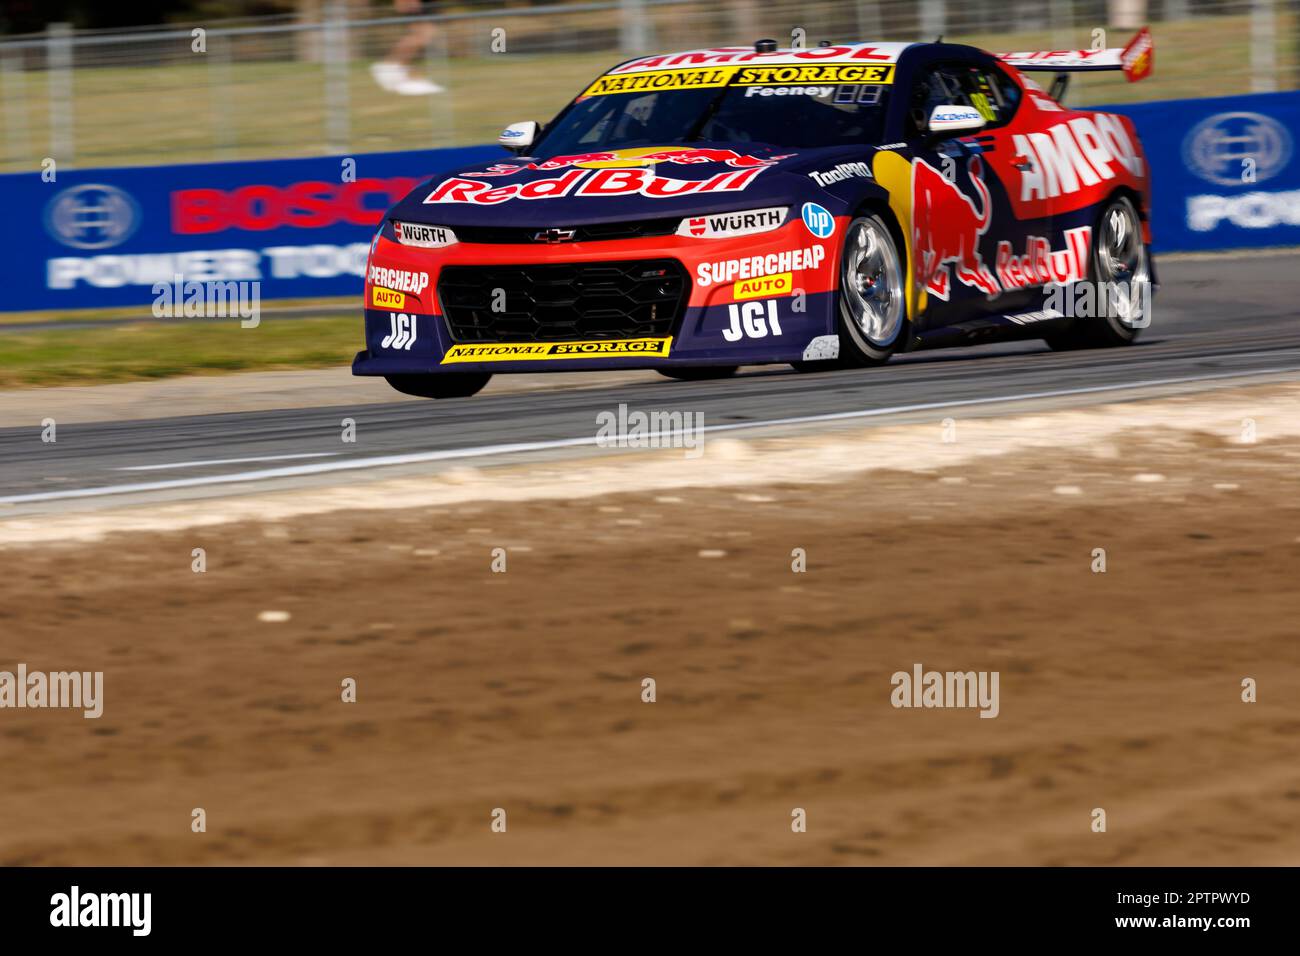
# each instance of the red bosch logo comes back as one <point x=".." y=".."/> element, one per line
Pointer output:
<point x="305" y="205"/>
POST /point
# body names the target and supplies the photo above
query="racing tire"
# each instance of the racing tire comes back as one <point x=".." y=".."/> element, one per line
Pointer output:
<point x="453" y="385"/>
<point x="697" y="373"/>
<point x="873" y="321"/>
<point x="1118" y="255"/>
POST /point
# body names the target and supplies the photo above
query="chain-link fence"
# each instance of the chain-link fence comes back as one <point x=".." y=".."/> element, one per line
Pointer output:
<point x="281" y="87"/>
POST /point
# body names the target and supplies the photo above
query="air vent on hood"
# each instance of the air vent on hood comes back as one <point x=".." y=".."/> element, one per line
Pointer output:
<point x="558" y="302"/>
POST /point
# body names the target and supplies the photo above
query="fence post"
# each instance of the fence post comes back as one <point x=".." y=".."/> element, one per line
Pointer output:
<point x="1263" y="54"/>
<point x="441" y="105"/>
<point x="337" y="77"/>
<point x="1127" y="14"/>
<point x="634" y="38"/>
<point x="1061" y="20"/>
<point x="221" y="94"/>
<point x="58" y="60"/>
<point x="1295" y="43"/>
<point x="15" y="105"/>
<point x="869" y="21"/>
<point x="307" y="42"/>
<point x="744" y="21"/>
<point x="934" y="19"/>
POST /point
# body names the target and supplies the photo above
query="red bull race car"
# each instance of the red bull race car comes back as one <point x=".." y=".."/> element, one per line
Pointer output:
<point x="822" y="207"/>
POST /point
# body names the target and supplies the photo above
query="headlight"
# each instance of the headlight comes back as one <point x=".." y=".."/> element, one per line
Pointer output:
<point x="423" y="235"/>
<point x="724" y="225"/>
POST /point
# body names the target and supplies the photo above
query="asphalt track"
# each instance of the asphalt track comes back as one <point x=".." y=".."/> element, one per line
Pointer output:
<point x="1217" y="320"/>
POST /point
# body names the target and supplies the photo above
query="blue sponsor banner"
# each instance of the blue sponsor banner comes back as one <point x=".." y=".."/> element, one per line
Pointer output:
<point x="1225" y="175"/>
<point x="1224" y="171"/>
<point x="302" y="227"/>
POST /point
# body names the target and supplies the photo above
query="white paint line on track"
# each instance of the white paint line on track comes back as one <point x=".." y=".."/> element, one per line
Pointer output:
<point x="1211" y="255"/>
<point x="482" y="451"/>
<point x="228" y="461"/>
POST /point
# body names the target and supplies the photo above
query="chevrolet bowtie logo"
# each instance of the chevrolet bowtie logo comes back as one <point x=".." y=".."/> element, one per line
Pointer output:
<point x="555" y="235"/>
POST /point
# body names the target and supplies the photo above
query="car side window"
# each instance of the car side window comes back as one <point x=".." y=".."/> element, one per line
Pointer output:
<point x="996" y="96"/>
<point x="938" y="86"/>
<point x="988" y="90"/>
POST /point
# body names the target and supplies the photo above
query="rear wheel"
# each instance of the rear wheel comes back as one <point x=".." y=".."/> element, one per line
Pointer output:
<point x="873" y="311"/>
<point x="1120" y="269"/>
<point x="695" y="373"/>
<point x="452" y="385"/>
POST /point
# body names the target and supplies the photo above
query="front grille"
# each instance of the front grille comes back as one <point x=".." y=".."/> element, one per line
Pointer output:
<point x="563" y="302"/>
<point x="596" y="232"/>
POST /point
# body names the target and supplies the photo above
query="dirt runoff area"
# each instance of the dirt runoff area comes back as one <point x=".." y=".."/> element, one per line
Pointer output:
<point x="518" y="696"/>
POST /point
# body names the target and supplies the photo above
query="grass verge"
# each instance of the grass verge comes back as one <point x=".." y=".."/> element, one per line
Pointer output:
<point x="143" y="312"/>
<point x="154" y="350"/>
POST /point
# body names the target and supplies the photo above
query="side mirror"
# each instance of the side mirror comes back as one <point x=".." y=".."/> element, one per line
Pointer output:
<point x="947" y="120"/>
<point x="519" y="136"/>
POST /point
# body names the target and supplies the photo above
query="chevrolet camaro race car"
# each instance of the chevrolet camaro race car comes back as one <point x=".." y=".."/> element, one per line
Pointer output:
<point x="822" y="207"/>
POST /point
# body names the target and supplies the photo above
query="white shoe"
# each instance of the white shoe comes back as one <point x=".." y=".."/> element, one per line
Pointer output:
<point x="416" y="86"/>
<point x="389" y="76"/>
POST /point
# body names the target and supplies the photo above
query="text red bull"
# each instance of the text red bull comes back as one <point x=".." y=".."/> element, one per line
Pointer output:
<point x="591" y="183"/>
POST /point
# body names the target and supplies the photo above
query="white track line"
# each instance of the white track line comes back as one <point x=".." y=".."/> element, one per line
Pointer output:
<point x="228" y="461"/>
<point x="383" y="461"/>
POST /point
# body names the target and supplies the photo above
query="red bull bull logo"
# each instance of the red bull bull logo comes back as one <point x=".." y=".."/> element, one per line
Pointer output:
<point x="946" y="230"/>
<point x="691" y="156"/>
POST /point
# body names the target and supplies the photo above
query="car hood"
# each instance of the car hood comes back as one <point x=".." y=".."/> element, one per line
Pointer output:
<point x="620" y="185"/>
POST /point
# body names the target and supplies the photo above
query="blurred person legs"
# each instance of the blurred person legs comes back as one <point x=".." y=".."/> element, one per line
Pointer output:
<point x="393" y="73"/>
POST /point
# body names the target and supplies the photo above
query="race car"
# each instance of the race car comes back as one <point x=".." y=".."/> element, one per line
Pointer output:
<point x="823" y="207"/>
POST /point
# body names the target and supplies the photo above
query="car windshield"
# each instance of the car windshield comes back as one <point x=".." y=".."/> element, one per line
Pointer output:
<point x="804" y="116"/>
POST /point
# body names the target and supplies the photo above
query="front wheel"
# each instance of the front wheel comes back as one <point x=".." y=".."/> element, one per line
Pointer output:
<point x="451" y="385"/>
<point x="873" y="310"/>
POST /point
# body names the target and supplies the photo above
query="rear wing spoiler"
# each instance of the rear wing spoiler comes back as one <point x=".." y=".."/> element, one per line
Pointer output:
<point x="1136" y="60"/>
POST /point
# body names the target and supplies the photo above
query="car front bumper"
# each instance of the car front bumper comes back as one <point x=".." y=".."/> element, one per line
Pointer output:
<point x="748" y="300"/>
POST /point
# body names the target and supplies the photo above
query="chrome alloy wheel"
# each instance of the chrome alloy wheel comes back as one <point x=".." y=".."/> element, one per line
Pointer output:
<point x="1122" y="263"/>
<point x="871" y="282"/>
